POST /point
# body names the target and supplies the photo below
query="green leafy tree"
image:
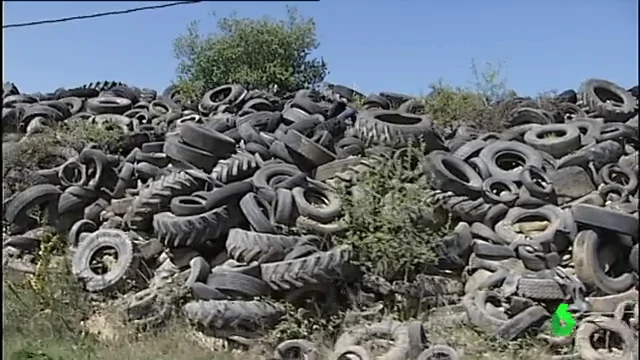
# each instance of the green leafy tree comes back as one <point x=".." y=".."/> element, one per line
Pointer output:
<point x="260" y="53"/>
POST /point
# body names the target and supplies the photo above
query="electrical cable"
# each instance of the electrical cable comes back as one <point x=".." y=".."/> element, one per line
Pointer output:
<point x="97" y="15"/>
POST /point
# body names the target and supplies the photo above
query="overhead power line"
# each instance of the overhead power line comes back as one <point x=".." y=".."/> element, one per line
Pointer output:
<point x="97" y="15"/>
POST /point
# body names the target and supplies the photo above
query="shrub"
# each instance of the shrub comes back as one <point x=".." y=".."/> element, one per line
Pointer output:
<point x="257" y="53"/>
<point x="386" y="216"/>
<point x="476" y="105"/>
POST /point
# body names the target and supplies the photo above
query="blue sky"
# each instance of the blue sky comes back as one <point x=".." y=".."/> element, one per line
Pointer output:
<point x="400" y="46"/>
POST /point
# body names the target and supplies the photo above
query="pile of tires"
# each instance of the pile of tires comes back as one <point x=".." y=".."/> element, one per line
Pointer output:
<point x="547" y="210"/>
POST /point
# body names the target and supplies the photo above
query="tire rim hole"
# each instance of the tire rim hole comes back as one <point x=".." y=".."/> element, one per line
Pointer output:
<point x="531" y="224"/>
<point x="617" y="194"/>
<point x="161" y="108"/>
<point x="608" y="96"/>
<point x="264" y="209"/>
<point x="294" y="353"/>
<point x="189" y="202"/>
<point x="583" y="130"/>
<point x="277" y="179"/>
<point x="349" y="356"/>
<point x="315" y="198"/>
<point x="440" y="356"/>
<point x="620" y="178"/>
<point x="538" y="179"/>
<point x="510" y="161"/>
<point x="220" y="95"/>
<point x="628" y="316"/>
<point x="607" y="340"/>
<point x="398" y="119"/>
<point x="454" y="170"/>
<point x="72" y="172"/>
<point x="499" y="189"/>
<point x="103" y="260"/>
<point x="109" y="102"/>
<point x="552" y="134"/>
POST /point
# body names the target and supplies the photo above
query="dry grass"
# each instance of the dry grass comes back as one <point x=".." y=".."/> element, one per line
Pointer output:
<point x="62" y="323"/>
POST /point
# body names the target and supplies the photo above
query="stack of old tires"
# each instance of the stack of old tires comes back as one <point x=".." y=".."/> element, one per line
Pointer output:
<point x="207" y="197"/>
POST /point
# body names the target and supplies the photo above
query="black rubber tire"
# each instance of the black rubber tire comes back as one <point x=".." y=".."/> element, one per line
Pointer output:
<point x="158" y="159"/>
<point x="300" y="251"/>
<point x="449" y="173"/>
<point x="222" y="95"/>
<point x="262" y="178"/>
<point x="597" y="155"/>
<point x="205" y="292"/>
<point x="44" y="194"/>
<point x="256" y="210"/>
<point x="536" y="182"/>
<point x="126" y="262"/>
<point x="506" y="230"/>
<point x="569" y="111"/>
<point x="325" y="213"/>
<point x="189" y="231"/>
<point x="480" y="167"/>
<point x="589" y="269"/>
<point x="615" y="174"/>
<point x="152" y="147"/>
<point x="257" y="149"/>
<point x="396" y="129"/>
<point x="568" y="141"/>
<point x="226" y="195"/>
<point x="633" y="258"/>
<point x="490" y="251"/>
<point x="238" y="284"/>
<point x="568" y="96"/>
<point x="177" y="150"/>
<point x="595" y="94"/>
<point x="239" y="166"/>
<point x="507" y="191"/>
<point x="618" y="132"/>
<point x="207" y="140"/>
<point x="249" y="246"/>
<point x="520" y="154"/>
<point x="315" y="153"/>
<point x="319" y="268"/>
<point x="470" y="149"/>
<point x="187" y="205"/>
<point x="439" y="352"/>
<point x="78" y="228"/>
<point x="108" y="105"/>
<point x="589" y="130"/>
<point x="72" y="173"/>
<point x="599" y="217"/>
<point x="283" y="208"/>
<point x="526" y="115"/>
<point x="374" y="101"/>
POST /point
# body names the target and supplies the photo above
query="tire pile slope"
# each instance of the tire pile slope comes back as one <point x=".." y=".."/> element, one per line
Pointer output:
<point x="234" y="201"/>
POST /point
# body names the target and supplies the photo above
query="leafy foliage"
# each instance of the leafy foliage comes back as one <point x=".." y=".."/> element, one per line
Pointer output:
<point x="475" y="105"/>
<point x="390" y="228"/>
<point x="257" y="53"/>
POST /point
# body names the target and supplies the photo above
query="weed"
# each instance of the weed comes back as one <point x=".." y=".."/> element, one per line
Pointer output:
<point x="381" y="212"/>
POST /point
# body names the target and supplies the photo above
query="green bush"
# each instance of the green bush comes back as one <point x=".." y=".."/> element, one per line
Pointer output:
<point x="476" y="105"/>
<point x="390" y="228"/>
<point x="257" y="53"/>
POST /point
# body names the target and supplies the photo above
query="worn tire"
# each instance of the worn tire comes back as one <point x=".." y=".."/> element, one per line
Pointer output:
<point x="126" y="263"/>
